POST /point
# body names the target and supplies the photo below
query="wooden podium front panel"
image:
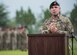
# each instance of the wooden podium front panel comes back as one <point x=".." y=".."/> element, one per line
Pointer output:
<point x="36" y="47"/>
<point x="46" y="44"/>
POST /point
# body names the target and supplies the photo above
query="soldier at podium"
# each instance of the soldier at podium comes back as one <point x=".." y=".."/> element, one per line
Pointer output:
<point x="57" y="22"/>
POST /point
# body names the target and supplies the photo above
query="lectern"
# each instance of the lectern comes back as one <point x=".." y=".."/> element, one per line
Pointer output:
<point x="48" y="44"/>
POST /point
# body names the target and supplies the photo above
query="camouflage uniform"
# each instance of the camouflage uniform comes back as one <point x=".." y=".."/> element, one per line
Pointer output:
<point x="13" y="40"/>
<point x="63" y="25"/>
<point x="22" y="41"/>
<point x="1" y="39"/>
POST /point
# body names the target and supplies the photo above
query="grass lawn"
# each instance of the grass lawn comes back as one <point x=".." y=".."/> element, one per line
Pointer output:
<point x="13" y="52"/>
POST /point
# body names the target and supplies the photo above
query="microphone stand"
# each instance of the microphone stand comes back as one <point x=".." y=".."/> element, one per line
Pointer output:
<point x="73" y="36"/>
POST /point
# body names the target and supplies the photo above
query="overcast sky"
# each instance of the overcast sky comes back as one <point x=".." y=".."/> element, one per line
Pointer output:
<point x="35" y="5"/>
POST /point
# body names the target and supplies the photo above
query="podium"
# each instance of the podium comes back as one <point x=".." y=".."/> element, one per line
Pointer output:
<point x="48" y="44"/>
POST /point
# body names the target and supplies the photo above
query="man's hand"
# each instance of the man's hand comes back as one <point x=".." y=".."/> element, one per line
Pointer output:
<point x="52" y="27"/>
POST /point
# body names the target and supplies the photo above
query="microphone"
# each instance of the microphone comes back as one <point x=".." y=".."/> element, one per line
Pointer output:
<point x="74" y="36"/>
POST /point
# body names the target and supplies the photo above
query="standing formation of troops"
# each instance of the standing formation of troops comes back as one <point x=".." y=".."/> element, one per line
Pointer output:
<point x="13" y="39"/>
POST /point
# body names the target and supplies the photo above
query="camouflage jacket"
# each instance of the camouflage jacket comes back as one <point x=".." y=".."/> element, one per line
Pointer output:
<point x="63" y="25"/>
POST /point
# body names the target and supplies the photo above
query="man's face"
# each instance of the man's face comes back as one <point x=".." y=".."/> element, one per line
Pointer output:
<point x="55" y="10"/>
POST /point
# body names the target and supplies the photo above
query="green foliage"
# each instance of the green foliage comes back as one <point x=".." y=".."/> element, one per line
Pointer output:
<point x="3" y="16"/>
<point x="11" y="23"/>
<point x="25" y="18"/>
<point x="47" y="14"/>
<point x="73" y="16"/>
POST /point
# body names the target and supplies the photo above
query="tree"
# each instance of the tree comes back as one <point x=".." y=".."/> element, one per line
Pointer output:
<point x="3" y="16"/>
<point x="73" y="16"/>
<point x="47" y="15"/>
<point x="31" y="17"/>
<point x="25" y="18"/>
<point x="11" y="23"/>
<point x="19" y="16"/>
